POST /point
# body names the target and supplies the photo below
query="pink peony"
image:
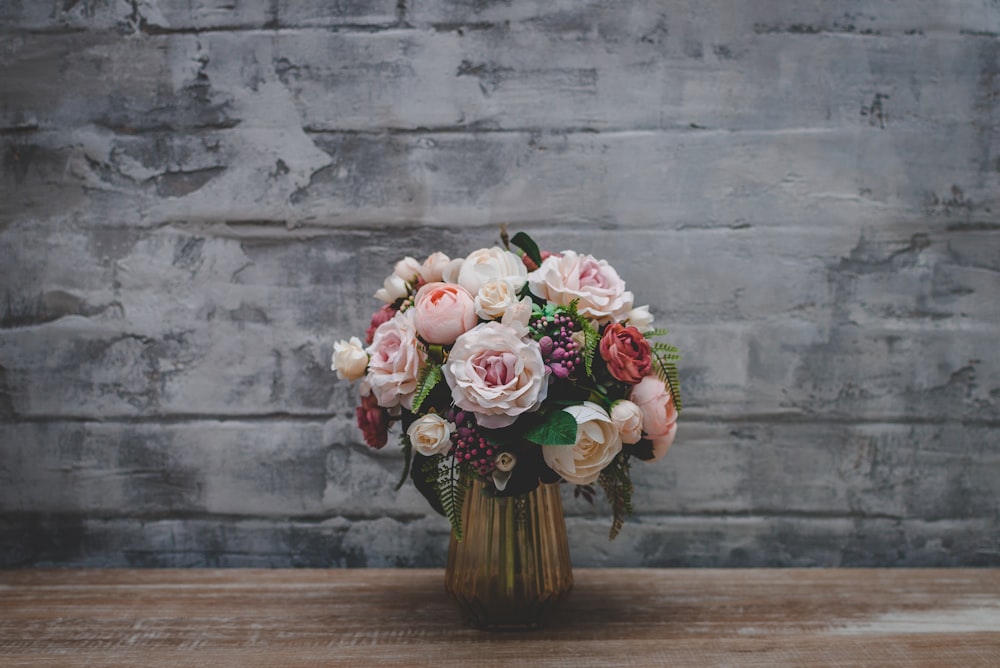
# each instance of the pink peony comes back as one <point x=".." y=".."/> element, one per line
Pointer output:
<point x="443" y="311"/>
<point x="396" y="360"/>
<point x="496" y="374"/>
<point x="659" y="414"/>
<point x="373" y="422"/>
<point x="626" y="352"/>
<point x="600" y="292"/>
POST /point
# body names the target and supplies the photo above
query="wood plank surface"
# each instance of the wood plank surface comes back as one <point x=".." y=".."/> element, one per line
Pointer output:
<point x="624" y="617"/>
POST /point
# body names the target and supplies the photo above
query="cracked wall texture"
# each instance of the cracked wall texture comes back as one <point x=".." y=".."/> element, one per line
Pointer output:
<point x="198" y="197"/>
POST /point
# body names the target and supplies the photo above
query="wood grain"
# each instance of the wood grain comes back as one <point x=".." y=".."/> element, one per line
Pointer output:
<point x="626" y="617"/>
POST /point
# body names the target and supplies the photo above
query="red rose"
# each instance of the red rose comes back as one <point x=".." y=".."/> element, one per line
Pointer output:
<point x="380" y="316"/>
<point x="373" y="422"/>
<point x="626" y="352"/>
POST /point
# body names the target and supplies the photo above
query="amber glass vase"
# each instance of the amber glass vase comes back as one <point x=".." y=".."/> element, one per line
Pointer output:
<point x="512" y="566"/>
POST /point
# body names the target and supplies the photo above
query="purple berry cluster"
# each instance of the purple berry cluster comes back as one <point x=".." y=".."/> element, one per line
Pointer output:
<point x="560" y="352"/>
<point x="471" y="447"/>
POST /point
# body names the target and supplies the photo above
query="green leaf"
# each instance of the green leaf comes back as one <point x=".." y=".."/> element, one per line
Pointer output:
<point x="558" y="428"/>
<point x="653" y="333"/>
<point x="528" y="245"/>
<point x="429" y="377"/>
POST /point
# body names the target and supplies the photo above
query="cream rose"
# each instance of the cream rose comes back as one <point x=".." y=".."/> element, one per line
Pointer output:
<point x="628" y="418"/>
<point x="596" y="286"/>
<point x="659" y="414"/>
<point x="496" y="374"/>
<point x="393" y="289"/>
<point x="349" y="359"/>
<point x="407" y="269"/>
<point x="443" y="311"/>
<point x="487" y="264"/>
<point x="597" y="443"/>
<point x="518" y="316"/>
<point x="640" y="318"/>
<point x="494" y="298"/>
<point x="396" y="360"/>
<point x="432" y="270"/>
<point x="431" y="434"/>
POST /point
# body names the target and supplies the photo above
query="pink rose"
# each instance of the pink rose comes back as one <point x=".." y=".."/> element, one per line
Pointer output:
<point x="384" y="314"/>
<point x="626" y="352"/>
<point x="659" y="414"/>
<point x="496" y="374"/>
<point x="443" y="311"/>
<point x="373" y="422"/>
<point x="600" y="292"/>
<point x="396" y="360"/>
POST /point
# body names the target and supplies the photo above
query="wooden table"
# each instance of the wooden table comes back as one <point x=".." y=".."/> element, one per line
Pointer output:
<point x="627" y="617"/>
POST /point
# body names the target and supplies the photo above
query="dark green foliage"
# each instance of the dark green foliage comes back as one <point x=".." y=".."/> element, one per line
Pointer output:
<point x="617" y="485"/>
<point x="528" y="245"/>
<point x="556" y="428"/>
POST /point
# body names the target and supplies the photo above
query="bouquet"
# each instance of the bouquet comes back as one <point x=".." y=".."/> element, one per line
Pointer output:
<point x="514" y="367"/>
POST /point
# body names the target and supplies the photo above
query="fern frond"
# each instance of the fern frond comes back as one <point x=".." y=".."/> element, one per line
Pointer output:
<point x="450" y="485"/>
<point x="667" y="352"/>
<point x="617" y="485"/>
<point x="429" y="377"/>
<point x="667" y="372"/>
<point x="653" y="333"/>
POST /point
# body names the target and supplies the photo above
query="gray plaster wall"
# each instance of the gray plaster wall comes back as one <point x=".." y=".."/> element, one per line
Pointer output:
<point x="198" y="197"/>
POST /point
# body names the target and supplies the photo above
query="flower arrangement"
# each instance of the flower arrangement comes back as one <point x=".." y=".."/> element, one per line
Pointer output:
<point x="516" y="367"/>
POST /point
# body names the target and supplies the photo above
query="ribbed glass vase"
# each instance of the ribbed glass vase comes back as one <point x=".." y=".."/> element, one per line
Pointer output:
<point x="512" y="567"/>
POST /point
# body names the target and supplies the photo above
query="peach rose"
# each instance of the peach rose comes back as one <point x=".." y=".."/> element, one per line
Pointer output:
<point x="432" y="270"/>
<point x="628" y="418"/>
<point x="443" y="311"/>
<point x="600" y="292"/>
<point x="659" y="414"/>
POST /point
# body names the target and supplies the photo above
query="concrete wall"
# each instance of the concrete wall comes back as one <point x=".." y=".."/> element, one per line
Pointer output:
<point x="198" y="197"/>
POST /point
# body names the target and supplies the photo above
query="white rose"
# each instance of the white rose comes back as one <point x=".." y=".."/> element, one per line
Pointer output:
<point x="628" y="418"/>
<point x="349" y="359"/>
<point x="640" y="318"/>
<point x="451" y="270"/>
<point x="432" y="270"/>
<point x="396" y="358"/>
<point x="496" y="374"/>
<point x="595" y="285"/>
<point x="597" y="443"/>
<point x="407" y="269"/>
<point x="494" y="298"/>
<point x="486" y="264"/>
<point x="431" y="434"/>
<point x="393" y="289"/>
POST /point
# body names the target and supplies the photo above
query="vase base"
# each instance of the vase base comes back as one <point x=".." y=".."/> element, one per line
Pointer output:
<point x="518" y="616"/>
